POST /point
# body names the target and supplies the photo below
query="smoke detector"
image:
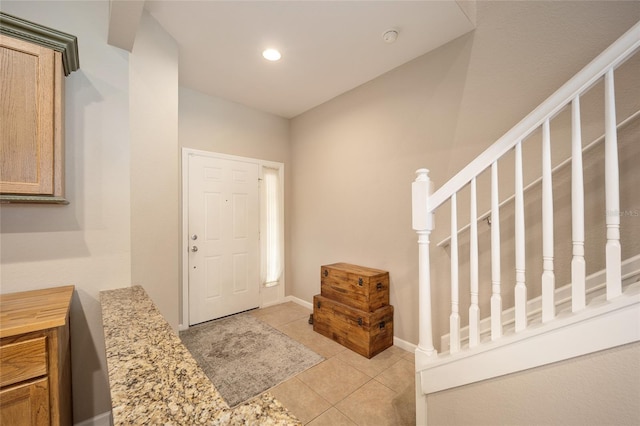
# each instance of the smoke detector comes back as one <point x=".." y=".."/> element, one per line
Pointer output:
<point x="390" y="36"/>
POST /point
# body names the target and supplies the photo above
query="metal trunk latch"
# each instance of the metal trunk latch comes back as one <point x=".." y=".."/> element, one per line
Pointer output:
<point x="381" y="324"/>
<point x="379" y="286"/>
<point x="360" y="282"/>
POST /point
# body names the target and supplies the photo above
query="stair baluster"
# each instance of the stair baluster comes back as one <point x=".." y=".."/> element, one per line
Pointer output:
<point x="474" y="309"/>
<point x="578" y="265"/>
<point x="521" y="288"/>
<point x="548" y="276"/>
<point x="600" y="325"/>
<point x="612" y="191"/>
<point x="496" y="298"/>
<point x="454" y="319"/>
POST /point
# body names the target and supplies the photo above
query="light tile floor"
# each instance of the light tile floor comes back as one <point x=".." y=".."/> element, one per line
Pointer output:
<point x="346" y="388"/>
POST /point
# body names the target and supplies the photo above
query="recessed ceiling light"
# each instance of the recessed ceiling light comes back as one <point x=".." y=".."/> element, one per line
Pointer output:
<point x="271" y="55"/>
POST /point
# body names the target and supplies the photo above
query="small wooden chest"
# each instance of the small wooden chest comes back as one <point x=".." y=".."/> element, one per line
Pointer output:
<point x="367" y="333"/>
<point x="366" y="289"/>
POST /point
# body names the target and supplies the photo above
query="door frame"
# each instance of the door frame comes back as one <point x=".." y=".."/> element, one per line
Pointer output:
<point x="184" y="245"/>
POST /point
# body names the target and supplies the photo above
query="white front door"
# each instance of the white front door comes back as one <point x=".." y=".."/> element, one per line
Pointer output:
<point x="224" y="223"/>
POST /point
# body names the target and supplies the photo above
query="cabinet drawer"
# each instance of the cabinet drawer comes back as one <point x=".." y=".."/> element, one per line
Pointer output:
<point x="23" y="360"/>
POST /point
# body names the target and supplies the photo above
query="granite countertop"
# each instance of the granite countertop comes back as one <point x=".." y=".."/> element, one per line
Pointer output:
<point x="155" y="380"/>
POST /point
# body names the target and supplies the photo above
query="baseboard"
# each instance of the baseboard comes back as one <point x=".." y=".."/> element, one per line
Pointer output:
<point x="403" y="344"/>
<point x="300" y="302"/>
<point x="275" y="302"/>
<point x="103" y="419"/>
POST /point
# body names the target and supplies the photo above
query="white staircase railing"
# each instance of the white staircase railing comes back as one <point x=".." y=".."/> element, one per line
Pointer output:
<point x="426" y="202"/>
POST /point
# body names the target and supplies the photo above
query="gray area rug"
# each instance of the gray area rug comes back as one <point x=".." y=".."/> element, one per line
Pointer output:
<point x="244" y="356"/>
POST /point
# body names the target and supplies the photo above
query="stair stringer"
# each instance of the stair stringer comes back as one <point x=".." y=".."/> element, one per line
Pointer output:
<point x="595" y="285"/>
<point x="601" y="325"/>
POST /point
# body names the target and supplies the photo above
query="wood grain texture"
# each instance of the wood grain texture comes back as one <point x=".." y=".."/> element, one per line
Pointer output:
<point x="35" y="310"/>
<point x="26" y="404"/>
<point x="22" y="361"/>
<point x="60" y="376"/>
<point x="35" y="330"/>
<point x="367" y="333"/>
<point x="62" y="400"/>
<point x="19" y="146"/>
<point x="58" y="127"/>
<point x="360" y="287"/>
<point x="27" y="136"/>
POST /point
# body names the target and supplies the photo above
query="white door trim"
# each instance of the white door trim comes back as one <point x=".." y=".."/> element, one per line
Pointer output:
<point x="186" y="152"/>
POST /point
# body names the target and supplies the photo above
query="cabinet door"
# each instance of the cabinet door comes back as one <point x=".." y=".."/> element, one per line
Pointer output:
<point x="26" y="113"/>
<point x="25" y="404"/>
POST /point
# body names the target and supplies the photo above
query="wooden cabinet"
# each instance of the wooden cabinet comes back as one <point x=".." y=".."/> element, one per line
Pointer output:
<point x="35" y="357"/>
<point x="26" y="404"/>
<point x="32" y="119"/>
<point x="33" y="64"/>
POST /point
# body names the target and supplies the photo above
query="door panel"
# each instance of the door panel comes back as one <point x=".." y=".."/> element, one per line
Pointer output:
<point x="224" y="215"/>
<point x="240" y="278"/>
<point x="212" y="275"/>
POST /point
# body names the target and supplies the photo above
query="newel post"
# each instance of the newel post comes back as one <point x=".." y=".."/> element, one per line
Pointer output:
<point x="423" y="224"/>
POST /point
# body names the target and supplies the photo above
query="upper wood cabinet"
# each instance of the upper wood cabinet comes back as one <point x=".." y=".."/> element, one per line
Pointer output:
<point x="33" y="63"/>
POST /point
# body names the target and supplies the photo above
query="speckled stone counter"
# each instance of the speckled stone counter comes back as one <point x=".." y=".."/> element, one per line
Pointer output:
<point x="155" y="380"/>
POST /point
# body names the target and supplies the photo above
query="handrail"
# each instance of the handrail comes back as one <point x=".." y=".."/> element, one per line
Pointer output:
<point x="445" y="242"/>
<point x="587" y="327"/>
<point x="610" y="58"/>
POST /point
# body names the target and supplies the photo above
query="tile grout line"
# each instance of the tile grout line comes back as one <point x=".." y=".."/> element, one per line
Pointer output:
<point x="401" y="357"/>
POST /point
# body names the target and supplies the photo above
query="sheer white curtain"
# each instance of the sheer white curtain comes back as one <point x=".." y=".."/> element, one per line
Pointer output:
<point x="271" y="233"/>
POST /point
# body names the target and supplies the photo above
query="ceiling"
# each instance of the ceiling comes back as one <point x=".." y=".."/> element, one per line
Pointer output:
<point x="328" y="47"/>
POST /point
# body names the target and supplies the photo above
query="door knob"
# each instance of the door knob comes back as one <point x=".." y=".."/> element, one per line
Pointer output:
<point x="194" y="248"/>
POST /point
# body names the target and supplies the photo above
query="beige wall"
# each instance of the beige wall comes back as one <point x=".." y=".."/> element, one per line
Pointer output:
<point x="598" y="389"/>
<point x="348" y="162"/>
<point x="122" y="182"/>
<point x="155" y="196"/>
<point x="86" y="243"/>
<point x="214" y="124"/>
<point x="117" y="173"/>
<point x="354" y="157"/>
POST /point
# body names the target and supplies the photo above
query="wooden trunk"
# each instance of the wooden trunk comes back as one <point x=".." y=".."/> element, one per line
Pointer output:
<point x="366" y="289"/>
<point x="367" y="333"/>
